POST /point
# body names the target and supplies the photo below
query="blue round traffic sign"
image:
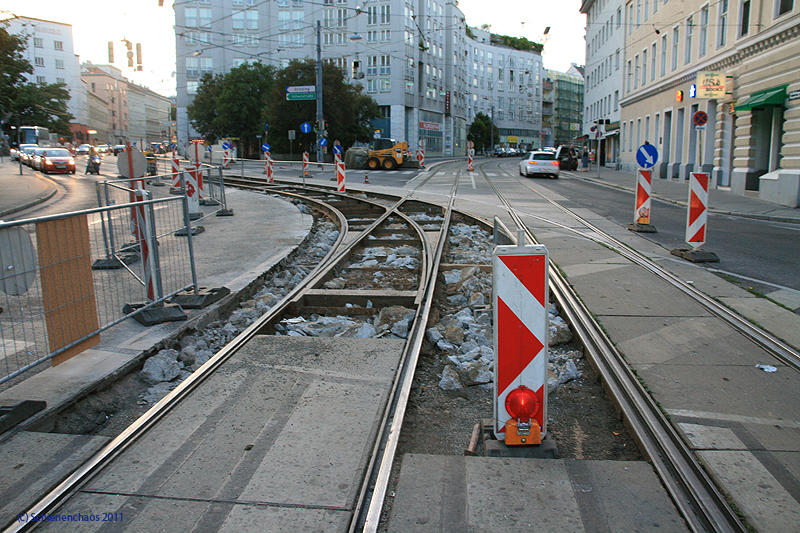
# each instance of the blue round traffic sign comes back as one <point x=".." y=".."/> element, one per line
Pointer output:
<point x="226" y="146"/>
<point x="337" y="148"/>
<point x="646" y="155"/>
<point x="323" y="141"/>
<point x="265" y="147"/>
<point x="305" y="127"/>
<point x="266" y="126"/>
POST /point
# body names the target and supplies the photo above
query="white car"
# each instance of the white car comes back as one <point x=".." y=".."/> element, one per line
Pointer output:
<point x="83" y="149"/>
<point x="539" y="163"/>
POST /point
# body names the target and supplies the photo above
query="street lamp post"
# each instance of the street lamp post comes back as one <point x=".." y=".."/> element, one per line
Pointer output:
<point x="320" y="121"/>
<point x="491" y="125"/>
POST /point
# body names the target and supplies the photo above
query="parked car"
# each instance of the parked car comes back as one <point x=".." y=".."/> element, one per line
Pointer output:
<point x="102" y="148"/>
<point x="119" y="148"/>
<point x="27" y="153"/>
<point x="511" y="152"/>
<point x="57" y="160"/>
<point x="567" y="157"/>
<point x="16" y="152"/>
<point x="83" y="149"/>
<point x="499" y="152"/>
<point x="538" y="163"/>
<point x="36" y="158"/>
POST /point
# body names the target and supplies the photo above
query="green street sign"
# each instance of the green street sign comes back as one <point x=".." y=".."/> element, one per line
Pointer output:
<point x="301" y="96"/>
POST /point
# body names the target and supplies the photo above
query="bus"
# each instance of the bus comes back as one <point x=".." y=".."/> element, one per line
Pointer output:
<point x="35" y="135"/>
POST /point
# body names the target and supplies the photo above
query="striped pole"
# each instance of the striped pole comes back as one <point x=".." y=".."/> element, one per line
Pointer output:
<point x="340" y="175"/>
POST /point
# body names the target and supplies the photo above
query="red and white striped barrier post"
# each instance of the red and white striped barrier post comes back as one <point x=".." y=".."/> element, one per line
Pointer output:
<point x="519" y="278"/>
<point x="266" y="162"/>
<point x="340" y="175"/>
<point x="470" y="168"/>
<point x="176" y="172"/>
<point x="421" y="153"/>
<point x="193" y="192"/>
<point x="642" y="213"/>
<point x="697" y="214"/>
<point x="270" y="171"/>
<point x="305" y="163"/>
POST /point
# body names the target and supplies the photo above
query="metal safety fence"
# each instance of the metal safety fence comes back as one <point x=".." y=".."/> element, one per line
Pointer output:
<point x="66" y="278"/>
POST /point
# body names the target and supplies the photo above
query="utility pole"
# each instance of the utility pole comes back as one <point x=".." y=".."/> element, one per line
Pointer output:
<point x="320" y="121"/>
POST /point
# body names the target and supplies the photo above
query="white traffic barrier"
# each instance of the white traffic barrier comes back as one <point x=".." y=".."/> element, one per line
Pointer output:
<point x="270" y="171"/>
<point x="340" y="176"/>
<point x="697" y="214"/>
<point x="641" y="214"/>
<point x="266" y="162"/>
<point x="176" y="173"/>
<point x="421" y="153"/>
<point x="305" y="163"/>
<point x="520" y="296"/>
<point x="471" y="152"/>
<point x="192" y="192"/>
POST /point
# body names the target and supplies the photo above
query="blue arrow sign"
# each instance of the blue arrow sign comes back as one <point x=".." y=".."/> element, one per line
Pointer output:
<point x="323" y="141"/>
<point x="266" y="126"/>
<point x="305" y="127"/>
<point x="226" y="146"/>
<point x="337" y="148"/>
<point x="265" y="147"/>
<point x="209" y="147"/>
<point x="646" y="155"/>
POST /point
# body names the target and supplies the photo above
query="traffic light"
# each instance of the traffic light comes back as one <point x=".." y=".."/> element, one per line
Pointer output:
<point x="129" y="46"/>
<point x="325" y="129"/>
<point x="139" y="56"/>
<point x="111" y="52"/>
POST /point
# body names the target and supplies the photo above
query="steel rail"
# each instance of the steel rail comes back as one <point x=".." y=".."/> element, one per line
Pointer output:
<point x="57" y="496"/>
<point x="770" y="343"/>
<point x="697" y="498"/>
<point x="367" y="519"/>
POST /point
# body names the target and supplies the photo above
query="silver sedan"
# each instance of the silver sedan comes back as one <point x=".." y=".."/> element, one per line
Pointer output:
<point x="539" y="163"/>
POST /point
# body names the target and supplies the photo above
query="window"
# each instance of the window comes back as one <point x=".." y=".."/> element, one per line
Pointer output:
<point x="664" y="55"/>
<point x="636" y="71"/>
<point x="744" y="28"/>
<point x="190" y="17"/>
<point x="372" y="15"/>
<point x="206" y="65"/>
<point x="41" y="80"/>
<point x="252" y="20"/>
<point x="192" y="67"/>
<point x="192" y="86"/>
<point x="616" y="60"/>
<point x="58" y="45"/>
<point x="237" y="3"/>
<point x="630" y="73"/>
<point x="327" y="18"/>
<point x="386" y="36"/>
<point x="722" y="25"/>
<point x="327" y="39"/>
<point x="298" y="40"/>
<point x="653" y="62"/>
<point x="39" y="61"/>
<point x="702" y="44"/>
<point x="687" y="50"/>
<point x="298" y="20"/>
<point x="238" y="39"/>
<point x="205" y="17"/>
<point x="60" y="80"/>
<point x="341" y="18"/>
<point x="372" y="65"/>
<point x="647" y="9"/>
<point x="675" y="36"/>
<point x="238" y="20"/>
<point x="60" y="63"/>
<point x="284" y="19"/>
<point x="783" y="7"/>
<point x="644" y="67"/>
<point x="385" y="14"/>
<point x="386" y="85"/>
<point x="630" y="18"/>
<point x="616" y="100"/>
<point x="372" y="86"/>
<point x="372" y="36"/>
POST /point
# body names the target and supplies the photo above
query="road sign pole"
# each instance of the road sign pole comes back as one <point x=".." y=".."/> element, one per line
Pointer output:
<point x="320" y="121"/>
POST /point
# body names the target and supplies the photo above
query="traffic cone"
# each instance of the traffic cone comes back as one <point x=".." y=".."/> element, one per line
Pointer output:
<point x="366" y="177"/>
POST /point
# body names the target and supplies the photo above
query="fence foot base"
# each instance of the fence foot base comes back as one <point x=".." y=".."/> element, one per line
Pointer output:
<point x="118" y="261"/>
<point x="195" y="216"/>
<point x="225" y="213"/>
<point x="695" y="256"/>
<point x="13" y="412"/>
<point x="642" y="228"/>
<point x="209" y="202"/>
<point x="200" y="299"/>
<point x="196" y="230"/>
<point x="155" y="315"/>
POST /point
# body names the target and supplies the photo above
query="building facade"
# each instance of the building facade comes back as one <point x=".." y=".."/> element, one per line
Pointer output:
<point x="429" y="74"/>
<point x="568" y="94"/>
<point x="51" y="54"/>
<point x="736" y="62"/>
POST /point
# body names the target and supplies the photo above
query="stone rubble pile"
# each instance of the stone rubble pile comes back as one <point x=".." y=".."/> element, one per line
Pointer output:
<point x="388" y="257"/>
<point x="469" y="245"/>
<point x="166" y="369"/>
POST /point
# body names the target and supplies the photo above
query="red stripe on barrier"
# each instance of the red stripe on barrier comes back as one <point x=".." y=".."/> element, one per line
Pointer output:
<point x="530" y="271"/>
<point x="518" y="348"/>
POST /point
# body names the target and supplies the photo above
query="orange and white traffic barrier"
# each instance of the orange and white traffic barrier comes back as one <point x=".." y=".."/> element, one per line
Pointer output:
<point x="421" y="153"/>
<point x="641" y="214"/>
<point x="340" y="175"/>
<point x="266" y="162"/>
<point x="270" y="171"/>
<point x="470" y="163"/>
<point x="305" y="163"/>
<point x="192" y="188"/>
<point x="697" y="214"/>
<point x="366" y="177"/>
<point x="519" y="278"/>
<point x="226" y="159"/>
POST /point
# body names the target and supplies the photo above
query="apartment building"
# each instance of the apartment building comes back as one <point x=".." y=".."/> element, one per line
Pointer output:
<point x="427" y="71"/>
<point x="734" y="60"/>
<point x="51" y="53"/>
<point x="567" y="117"/>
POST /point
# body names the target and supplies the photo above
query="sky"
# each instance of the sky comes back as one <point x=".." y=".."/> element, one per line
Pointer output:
<point x="142" y="21"/>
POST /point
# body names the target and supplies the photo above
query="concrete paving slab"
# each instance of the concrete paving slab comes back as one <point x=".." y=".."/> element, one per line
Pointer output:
<point x="788" y="297"/>
<point x="630" y="291"/>
<point x="470" y="494"/>
<point x="695" y="340"/>
<point x="771" y="317"/>
<point x="719" y="390"/>
<point x="622" y="496"/>
<point x="775" y="437"/>
<point x="767" y="505"/>
<point x="711" y="438"/>
<point x="31" y="464"/>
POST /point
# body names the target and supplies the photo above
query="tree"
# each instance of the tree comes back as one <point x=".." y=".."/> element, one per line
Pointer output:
<point x="13" y="67"/>
<point x="346" y="109"/>
<point x="480" y="132"/>
<point x="231" y="105"/>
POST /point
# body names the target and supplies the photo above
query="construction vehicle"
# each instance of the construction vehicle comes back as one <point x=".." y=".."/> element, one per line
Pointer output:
<point x="387" y="154"/>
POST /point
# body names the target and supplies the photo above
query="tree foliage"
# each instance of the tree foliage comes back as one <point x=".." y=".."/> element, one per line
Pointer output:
<point x="232" y="104"/>
<point x="13" y="67"/>
<point x="480" y="132"/>
<point x="346" y="109"/>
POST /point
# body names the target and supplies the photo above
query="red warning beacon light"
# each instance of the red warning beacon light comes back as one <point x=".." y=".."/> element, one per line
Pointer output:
<point x="523" y="405"/>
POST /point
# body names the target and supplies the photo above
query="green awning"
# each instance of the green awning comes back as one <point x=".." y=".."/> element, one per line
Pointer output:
<point x="769" y="97"/>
